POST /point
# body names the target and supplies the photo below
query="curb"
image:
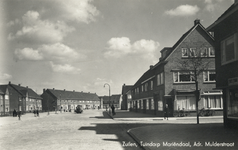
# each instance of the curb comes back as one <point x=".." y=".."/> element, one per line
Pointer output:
<point x="137" y="140"/>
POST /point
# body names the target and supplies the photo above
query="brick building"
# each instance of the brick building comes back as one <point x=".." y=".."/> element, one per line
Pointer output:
<point x="165" y="82"/>
<point x="225" y="30"/>
<point x="56" y="100"/>
<point x="20" y="98"/>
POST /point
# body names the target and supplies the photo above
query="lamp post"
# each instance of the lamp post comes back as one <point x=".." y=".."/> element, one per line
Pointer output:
<point x="109" y="97"/>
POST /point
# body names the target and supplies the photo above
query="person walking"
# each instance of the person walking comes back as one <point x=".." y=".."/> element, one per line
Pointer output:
<point x="14" y="113"/>
<point x="19" y="115"/>
<point x="37" y="113"/>
<point x="113" y="110"/>
<point x="34" y="111"/>
<point x="166" y="111"/>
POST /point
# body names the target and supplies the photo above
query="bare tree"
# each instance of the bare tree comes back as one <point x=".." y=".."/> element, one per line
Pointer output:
<point x="195" y="62"/>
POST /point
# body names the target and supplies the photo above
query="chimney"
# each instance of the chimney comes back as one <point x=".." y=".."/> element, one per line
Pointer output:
<point x="197" y="21"/>
<point x="43" y="90"/>
<point x="64" y="89"/>
<point x="9" y="82"/>
<point x="53" y="88"/>
<point x="151" y="66"/>
<point x="19" y="84"/>
<point x="73" y="90"/>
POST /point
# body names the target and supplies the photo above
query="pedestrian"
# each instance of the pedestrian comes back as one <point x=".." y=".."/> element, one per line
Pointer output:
<point x="98" y="107"/>
<point x="19" y="115"/>
<point x="14" y="113"/>
<point x="37" y="112"/>
<point x="166" y="111"/>
<point x="34" y="112"/>
<point x="113" y="110"/>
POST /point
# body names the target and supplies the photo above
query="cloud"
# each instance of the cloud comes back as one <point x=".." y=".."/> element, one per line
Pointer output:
<point x="118" y="47"/>
<point x="65" y="68"/>
<point x="211" y="4"/>
<point x="183" y="10"/>
<point x="54" y="52"/>
<point x="5" y="76"/>
<point x="28" y="54"/>
<point x="73" y="10"/>
<point x="39" y="31"/>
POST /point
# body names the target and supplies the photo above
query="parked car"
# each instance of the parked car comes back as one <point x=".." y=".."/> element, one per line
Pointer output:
<point x="79" y="109"/>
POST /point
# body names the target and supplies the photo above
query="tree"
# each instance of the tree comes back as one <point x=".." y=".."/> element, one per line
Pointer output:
<point x="195" y="62"/>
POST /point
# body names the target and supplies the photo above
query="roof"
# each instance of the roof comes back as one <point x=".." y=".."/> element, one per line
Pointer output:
<point x="24" y="90"/>
<point x="181" y="39"/>
<point x="233" y="8"/>
<point x="126" y="88"/>
<point x="63" y="94"/>
<point x="148" y="74"/>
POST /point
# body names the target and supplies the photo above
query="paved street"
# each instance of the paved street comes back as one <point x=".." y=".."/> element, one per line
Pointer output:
<point x="94" y="129"/>
<point x="66" y="131"/>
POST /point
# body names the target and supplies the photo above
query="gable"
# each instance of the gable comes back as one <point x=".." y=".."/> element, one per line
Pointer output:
<point x="196" y="37"/>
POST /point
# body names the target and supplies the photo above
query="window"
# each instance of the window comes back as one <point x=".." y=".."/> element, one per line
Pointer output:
<point x="152" y="104"/>
<point x="151" y="85"/>
<point x="209" y="76"/>
<point x="213" y="101"/>
<point x="186" y="103"/>
<point x="183" y="77"/>
<point x="184" y="52"/>
<point x="204" y="52"/>
<point x="193" y="52"/>
<point x="211" y="52"/>
<point x="160" y="105"/>
<point x="160" y="79"/>
<point x="147" y="104"/>
<point x="142" y="88"/>
<point x="146" y="86"/>
<point x="228" y="49"/>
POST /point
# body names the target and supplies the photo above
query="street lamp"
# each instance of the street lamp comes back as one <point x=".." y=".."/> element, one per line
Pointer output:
<point x="109" y="97"/>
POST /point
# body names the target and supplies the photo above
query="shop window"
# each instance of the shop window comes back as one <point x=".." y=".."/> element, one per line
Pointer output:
<point x="160" y="105"/>
<point x="147" y="104"/>
<point x="232" y="104"/>
<point x="186" y="102"/>
<point x="213" y="101"/>
<point x="152" y="104"/>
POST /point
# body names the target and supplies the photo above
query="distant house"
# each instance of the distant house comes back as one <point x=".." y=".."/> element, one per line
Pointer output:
<point x="54" y="100"/>
<point x="126" y="96"/>
<point x="20" y="98"/>
<point x="166" y="83"/>
<point x="225" y="30"/>
<point x="113" y="99"/>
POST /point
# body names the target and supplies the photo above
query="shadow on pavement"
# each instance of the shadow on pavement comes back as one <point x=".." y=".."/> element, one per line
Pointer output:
<point x="105" y="116"/>
<point x="158" y="133"/>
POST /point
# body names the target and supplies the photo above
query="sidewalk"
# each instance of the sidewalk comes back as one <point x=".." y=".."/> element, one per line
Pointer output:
<point x="125" y="115"/>
<point x="28" y="116"/>
<point x="180" y="133"/>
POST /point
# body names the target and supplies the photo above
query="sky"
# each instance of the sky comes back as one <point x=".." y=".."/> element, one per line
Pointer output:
<point x="82" y="44"/>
